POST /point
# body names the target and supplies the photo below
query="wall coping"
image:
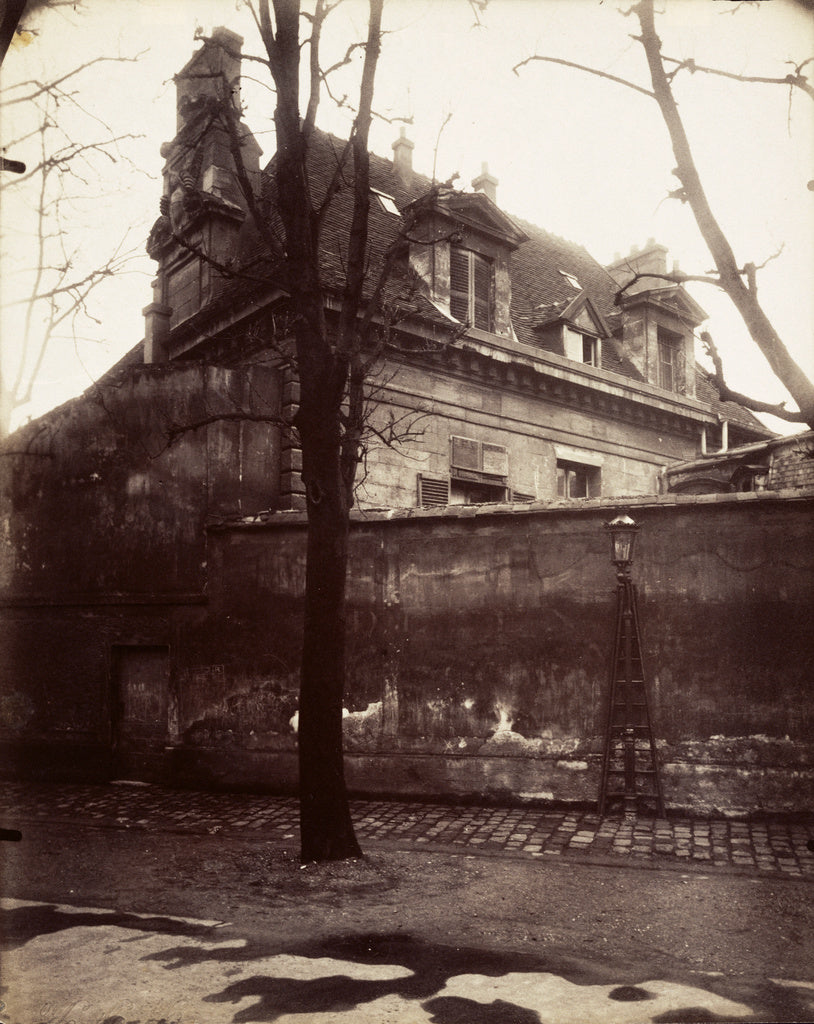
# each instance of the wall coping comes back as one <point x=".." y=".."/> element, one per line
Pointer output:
<point x="576" y="507"/>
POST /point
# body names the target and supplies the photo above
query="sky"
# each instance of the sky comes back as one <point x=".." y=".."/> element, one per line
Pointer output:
<point x="581" y="157"/>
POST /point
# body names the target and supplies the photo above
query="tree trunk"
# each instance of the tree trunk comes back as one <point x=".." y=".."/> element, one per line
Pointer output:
<point x="326" y="829"/>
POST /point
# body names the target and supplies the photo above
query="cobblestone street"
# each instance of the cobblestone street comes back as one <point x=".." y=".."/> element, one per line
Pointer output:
<point x="771" y="845"/>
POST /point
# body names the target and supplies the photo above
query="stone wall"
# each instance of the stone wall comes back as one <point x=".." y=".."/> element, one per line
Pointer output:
<point x="479" y="640"/>
<point x="536" y="431"/>
<point x="479" y="643"/>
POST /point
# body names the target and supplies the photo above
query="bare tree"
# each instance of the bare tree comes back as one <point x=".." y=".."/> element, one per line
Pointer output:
<point x="337" y="357"/>
<point x="331" y="359"/>
<point x="48" y="280"/>
<point x="738" y="280"/>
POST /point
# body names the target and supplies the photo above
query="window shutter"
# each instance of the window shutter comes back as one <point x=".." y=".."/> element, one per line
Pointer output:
<point x="432" y="493"/>
<point x="466" y="454"/>
<point x="459" y="284"/>
<point x="482" y="292"/>
<point x="495" y="459"/>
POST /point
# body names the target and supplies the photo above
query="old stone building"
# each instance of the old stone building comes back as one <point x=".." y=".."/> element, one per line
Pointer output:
<point x="508" y="364"/>
<point x="152" y="532"/>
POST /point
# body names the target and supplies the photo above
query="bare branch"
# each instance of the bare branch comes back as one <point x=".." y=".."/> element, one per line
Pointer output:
<point x="40" y="88"/>
<point x="478" y="7"/>
<point x="795" y="79"/>
<point x="727" y="394"/>
<point x="676" y="278"/>
<point x="315" y="73"/>
<point x="588" y="70"/>
<point x="743" y="297"/>
<point x="336" y="182"/>
<point x="444" y="123"/>
<point x="226" y="269"/>
<point x="177" y="430"/>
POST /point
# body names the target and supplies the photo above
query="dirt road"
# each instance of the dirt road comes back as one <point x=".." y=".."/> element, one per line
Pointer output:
<point x="105" y="925"/>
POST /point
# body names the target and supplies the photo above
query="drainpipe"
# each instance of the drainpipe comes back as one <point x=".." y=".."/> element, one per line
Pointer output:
<point x="724" y="435"/>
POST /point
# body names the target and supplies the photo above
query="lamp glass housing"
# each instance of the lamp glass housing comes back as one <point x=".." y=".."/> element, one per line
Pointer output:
<point x="623" y="535"/>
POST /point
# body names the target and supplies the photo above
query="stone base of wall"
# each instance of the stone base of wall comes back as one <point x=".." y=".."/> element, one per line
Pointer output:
<point x="54" y="761"/>
<point x="779" y="781"/>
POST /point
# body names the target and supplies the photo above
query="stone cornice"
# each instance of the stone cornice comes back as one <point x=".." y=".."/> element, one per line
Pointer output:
<point x="480" y="357"/>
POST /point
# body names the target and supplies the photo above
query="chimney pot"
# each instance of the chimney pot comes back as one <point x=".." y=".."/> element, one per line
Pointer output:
<point x="403" y="154"/>
<point x="486" y="183"/>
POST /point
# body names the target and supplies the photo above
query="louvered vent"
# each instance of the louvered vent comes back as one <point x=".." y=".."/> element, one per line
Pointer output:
<point x="459" y="284"/>
<point x="470" y="288"/>
<point x="482" y="292"/>
<point x="519" y="496"/>
<point x="432" y="492"/>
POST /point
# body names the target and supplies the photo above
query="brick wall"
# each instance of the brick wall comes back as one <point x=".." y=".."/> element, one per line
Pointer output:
<point x="792" y="464"/>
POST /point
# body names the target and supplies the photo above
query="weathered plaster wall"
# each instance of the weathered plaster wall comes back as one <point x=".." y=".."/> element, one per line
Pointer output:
<point x="110" y="495"/>
<point x="477" y="662"/>
<point x="103" y="543"/>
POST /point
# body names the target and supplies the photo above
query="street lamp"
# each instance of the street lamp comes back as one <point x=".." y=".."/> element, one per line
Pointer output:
<point x="630" y="749"/>
<point x="623" y="532"/>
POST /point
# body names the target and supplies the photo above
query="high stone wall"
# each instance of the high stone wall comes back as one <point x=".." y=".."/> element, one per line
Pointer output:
<point x="478" y="648"/>
<point x="479" y="641"/>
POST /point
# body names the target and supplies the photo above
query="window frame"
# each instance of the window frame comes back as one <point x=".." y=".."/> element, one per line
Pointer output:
<point x="593" y="344"/>
<point x="571" y="471"/>
<point x="386" y="202"/>
<point x="574" y="342"/>
<point x="668" y="343"/>
<point x="479" y="307"/>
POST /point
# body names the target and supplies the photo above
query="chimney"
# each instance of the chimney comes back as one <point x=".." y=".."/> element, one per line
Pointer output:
<point x="651" y="259"/>
<point x="486" y="183"/>
<point x="203" y="160"/>
<point x="403" y="155"/>
<point x="203" y="74"/>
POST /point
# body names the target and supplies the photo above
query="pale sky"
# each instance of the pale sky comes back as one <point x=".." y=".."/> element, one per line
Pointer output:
<point x="582" y="158"/>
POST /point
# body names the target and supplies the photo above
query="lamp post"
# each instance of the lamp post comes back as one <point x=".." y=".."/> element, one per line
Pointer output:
<point x="628" y="718"/>
<point x="622" y="530"/>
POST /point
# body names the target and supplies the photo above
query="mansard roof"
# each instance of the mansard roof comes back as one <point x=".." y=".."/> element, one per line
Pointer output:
<point x="550" y="275"/>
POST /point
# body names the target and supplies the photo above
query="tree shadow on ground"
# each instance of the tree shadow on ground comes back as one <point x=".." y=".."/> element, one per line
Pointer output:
<point x="19" y="925"/>
<point x="431" y="967"/>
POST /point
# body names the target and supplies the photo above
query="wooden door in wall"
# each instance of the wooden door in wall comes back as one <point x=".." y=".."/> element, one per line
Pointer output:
<point x="140" y="676"/>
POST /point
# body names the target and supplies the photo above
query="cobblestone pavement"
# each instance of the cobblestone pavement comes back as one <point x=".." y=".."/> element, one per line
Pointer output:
<point x="771" y="845"/>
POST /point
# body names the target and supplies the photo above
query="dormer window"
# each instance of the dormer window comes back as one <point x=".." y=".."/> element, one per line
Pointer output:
<point x="670" y="350"/>
<point x="590" y="350"/>
<point x="470" y="288"/>
<point x="581" y="347"/>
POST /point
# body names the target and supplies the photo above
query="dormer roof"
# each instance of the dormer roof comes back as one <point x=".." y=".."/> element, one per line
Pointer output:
<point x="583" y="315"/>
<point x="473" y="209"/>
<point x="543" y="267"/>
<point x="674" y="299"/>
